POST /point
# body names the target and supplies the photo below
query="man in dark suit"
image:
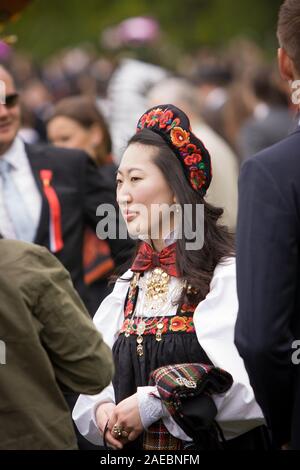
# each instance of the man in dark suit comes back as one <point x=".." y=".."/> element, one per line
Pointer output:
<point x="44" y="199"/>
<point x="268" y="262"/>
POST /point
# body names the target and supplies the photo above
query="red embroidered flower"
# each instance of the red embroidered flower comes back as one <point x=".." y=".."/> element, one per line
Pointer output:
<point x="191" y="148"/>
<point x="154" y="117"/>
<point x="193" y="159"/>
<point x="178" y="323"/>
<point x="173" y="124"/>
<point x="179" y="136"/>
<point x="143" y="120"/>
<point x="165" y="118"/>
<point x="197" y="178"/>
<point x="129" y="307"/>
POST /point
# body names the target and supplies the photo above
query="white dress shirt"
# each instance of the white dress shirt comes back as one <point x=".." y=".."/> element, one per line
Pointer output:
<point x="25" y="182"/>
<point x="214" y="320"/>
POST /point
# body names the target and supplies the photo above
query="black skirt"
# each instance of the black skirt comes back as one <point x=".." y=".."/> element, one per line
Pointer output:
<point x="132" y="371"/>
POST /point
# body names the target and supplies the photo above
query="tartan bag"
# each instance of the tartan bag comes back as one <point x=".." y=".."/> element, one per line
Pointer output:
<point x="186" y="390"/>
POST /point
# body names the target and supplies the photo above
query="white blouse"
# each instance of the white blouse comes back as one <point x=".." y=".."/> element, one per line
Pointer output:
<point x="214" y="320"/>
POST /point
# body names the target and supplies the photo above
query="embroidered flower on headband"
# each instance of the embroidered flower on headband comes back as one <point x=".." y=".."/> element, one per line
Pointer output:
<point x="179" y="137"/>
<point x="173" y="126"/>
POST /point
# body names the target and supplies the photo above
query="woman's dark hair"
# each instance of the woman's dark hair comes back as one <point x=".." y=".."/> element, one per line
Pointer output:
<point x="195" y="266"/>
<point x="85" y="112"/>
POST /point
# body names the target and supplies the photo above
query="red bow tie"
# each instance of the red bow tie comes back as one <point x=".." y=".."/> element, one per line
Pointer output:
<point x="147" y="259"/>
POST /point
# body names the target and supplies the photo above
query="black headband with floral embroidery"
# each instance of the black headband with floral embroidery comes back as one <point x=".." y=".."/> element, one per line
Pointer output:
<point x="173" y="126"/>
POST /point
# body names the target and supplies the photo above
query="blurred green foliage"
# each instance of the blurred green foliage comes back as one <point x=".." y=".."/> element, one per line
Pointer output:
<point x="48" y="25"/>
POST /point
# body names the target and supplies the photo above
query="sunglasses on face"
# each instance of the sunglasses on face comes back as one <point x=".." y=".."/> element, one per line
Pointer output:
<point x="11" y="100"/>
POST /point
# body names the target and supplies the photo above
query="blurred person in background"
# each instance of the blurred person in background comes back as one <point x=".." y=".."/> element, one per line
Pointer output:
<point x="224" y="87"/>
<point x="237" y="109"/>
<point x="27" y="131"/>
<point x="272" y="119"/>
<point x="211" y="79"/>
<point x="137" y="72"/>
<point x="223" y="188"/>
<point x="36" y="100"/>
<point x="76" y="122"/>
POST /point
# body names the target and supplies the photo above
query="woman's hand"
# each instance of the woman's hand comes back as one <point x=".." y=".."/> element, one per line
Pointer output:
<point x="103" y="414"/>
<point x="127" y="417"/>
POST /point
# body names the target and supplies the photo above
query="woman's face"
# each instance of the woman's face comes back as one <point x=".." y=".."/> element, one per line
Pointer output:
<point x="141" y="192"/>
<point x="68" y="133"/>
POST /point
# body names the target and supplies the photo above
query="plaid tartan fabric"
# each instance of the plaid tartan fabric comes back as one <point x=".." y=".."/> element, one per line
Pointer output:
<point x="157" y="437"/>
<point x="179" y="381"/>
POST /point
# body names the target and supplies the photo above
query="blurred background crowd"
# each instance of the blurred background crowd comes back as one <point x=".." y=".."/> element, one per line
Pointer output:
<point x="228" y="80"/>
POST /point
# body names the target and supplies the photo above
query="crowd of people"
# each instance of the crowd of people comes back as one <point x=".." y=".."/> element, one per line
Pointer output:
<point x="150" y="340"/>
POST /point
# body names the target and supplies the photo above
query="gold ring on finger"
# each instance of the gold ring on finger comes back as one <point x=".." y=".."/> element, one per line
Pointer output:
<point x="117" y="431"/>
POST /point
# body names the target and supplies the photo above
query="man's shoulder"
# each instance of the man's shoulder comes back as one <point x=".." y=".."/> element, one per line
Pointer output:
<point x="13" y="250"/>
<point x="15" y="254"/>
<point x="67" y="164"/>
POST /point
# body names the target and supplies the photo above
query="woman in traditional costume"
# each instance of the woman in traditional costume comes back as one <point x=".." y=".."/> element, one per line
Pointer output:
<point x="179" y="381"/>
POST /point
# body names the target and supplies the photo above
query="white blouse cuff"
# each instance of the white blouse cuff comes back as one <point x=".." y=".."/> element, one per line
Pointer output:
<point x="150" y="407"/>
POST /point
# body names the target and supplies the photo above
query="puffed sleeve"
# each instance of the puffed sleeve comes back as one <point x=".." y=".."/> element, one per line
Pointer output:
<point x="214" y="320"/>
<point x="108" y="320"/>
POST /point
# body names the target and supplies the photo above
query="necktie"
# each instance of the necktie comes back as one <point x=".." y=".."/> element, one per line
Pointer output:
<point x="15" y="206"/>
<point x="147" y="259"/>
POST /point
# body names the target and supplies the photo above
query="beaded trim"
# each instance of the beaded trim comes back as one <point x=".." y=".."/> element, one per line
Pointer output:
<point x="170" y="324"/>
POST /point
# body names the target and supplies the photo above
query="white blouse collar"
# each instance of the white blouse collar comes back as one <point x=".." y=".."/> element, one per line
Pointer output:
<point x="168" y="240"/>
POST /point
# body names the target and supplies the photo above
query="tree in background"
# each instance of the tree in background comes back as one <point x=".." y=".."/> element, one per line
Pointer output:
<point x="46" y="27"/>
